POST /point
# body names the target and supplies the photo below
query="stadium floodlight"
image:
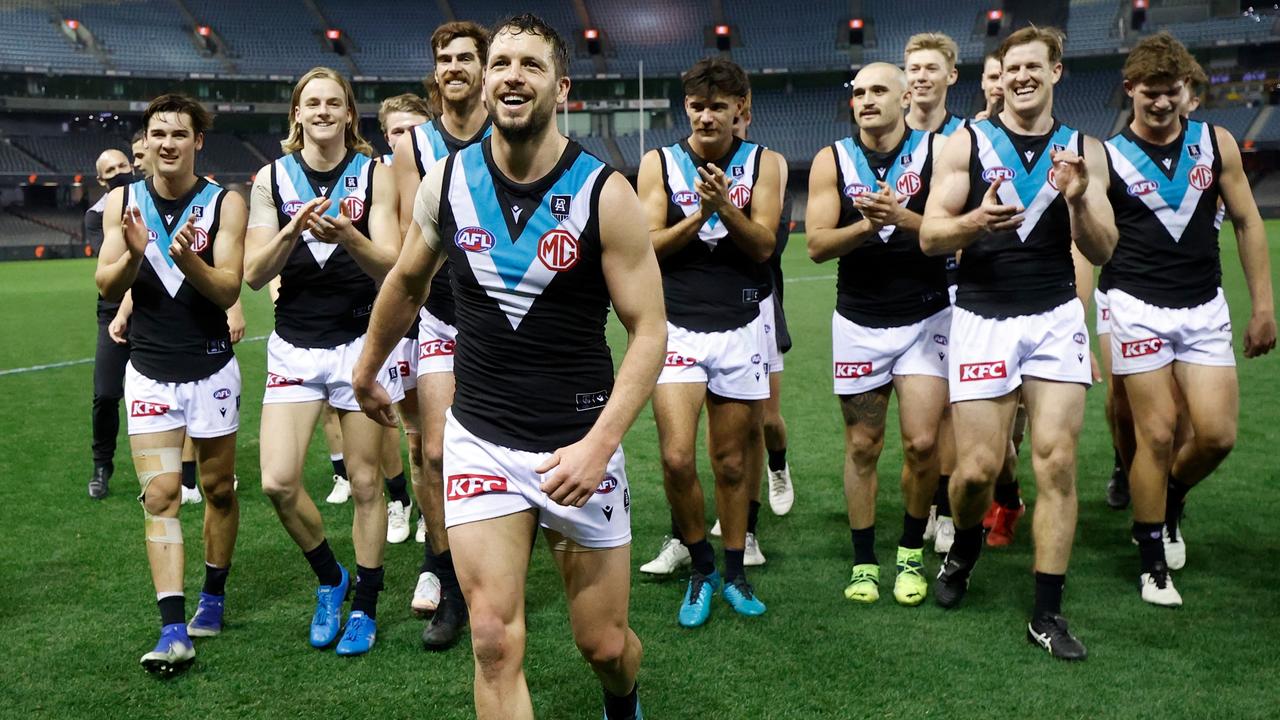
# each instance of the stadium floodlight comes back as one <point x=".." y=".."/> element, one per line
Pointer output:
<point x="994" y="21"/>
<point x="1138" y="18"/>
<point x="203" y="31"/>
<point x="723" y="37"/>
<point x="856" y="27"/>
<point x="592" y="37"/>
<point x="333" y="34"/>
<point x="336" y="42"/>
<point x="72" y="24"/>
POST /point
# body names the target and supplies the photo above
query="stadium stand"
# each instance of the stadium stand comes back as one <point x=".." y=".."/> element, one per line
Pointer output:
<point x="667" y="35"/>
<point x="1270" y="130"/>
<point x="14" y="162"/>
<point x="162" y="43"/>
<point x="801" y="38"/>
<point x="896" y="21"/>
<point x="1093" y="28"/>
<point x="30" y="37"/>
<point x="1083" y="101"/>
<point x="1236" y="120"/>
<point x="387" y="46"/>
<point x="280" y="37"/>
<point x="71" y="153"/>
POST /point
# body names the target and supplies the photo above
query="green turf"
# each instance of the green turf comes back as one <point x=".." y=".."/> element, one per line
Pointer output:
<point x="77" y="607"/>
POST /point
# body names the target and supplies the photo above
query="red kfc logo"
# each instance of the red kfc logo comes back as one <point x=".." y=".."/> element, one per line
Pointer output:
<point x="278" y="381"/>
<point x="740" y="195"/>
<point x="983" y="371"/>
<point x="675" y="359"/>
<point x="558" y="250"/>
<point x="435" y="348"/>
<point x="465" y="486"/>
<point x="1138" y="348"/>
<point x="848" y="370"/>
<point x="139" y="408"/>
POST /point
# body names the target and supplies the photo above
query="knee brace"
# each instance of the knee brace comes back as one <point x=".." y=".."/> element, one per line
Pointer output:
<point x="154" y="462"/>
<point x="162" y="529"/>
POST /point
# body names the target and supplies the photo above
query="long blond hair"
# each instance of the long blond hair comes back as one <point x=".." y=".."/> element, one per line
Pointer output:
<point x="352" y="137"/>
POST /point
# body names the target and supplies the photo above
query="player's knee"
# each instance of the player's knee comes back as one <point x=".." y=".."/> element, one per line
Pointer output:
<point x="978" y="468"/>
<point x="919" y="447"/>
<point x="603" y="649"/>
<point x="863" y="448"/>
<point x="730" y="468"/>
<point x="1217" y="442"/>
<point x="220" y="493"/>
<point x="161" y="500"/>
<point x="497" y="644"/>
<point x="279" y="490"/>
<point x="1159" y="438"/>
<point x="678" y="466"/>
<point x="366" y="491"/>
<point x="1055" y="464"/>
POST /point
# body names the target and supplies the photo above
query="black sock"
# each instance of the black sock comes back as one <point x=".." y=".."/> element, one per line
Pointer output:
<point x="941" y="498"/>
<point x="622" y="707"/>
<point x="675" y="529"/>
<point x="368" y="585"/>
<point x="396" y="488"/>
<point x="1150" y="544"/>
<point x="1008" y="496"/>
<point x="324" y="563"/>
<point x="1048" y="594"/>
<point x="968" y="544"/>
<point x="703" y="557"/>
<point x="864" y="546"/>
<point x="733" y="564"/>
<point x="912" y="531"/>
<point x="777" y="460"/>
<point x="428" y="559"/>
<point x="1119" y="467"/>
<point x="215" y="580"/>
<point x="173" y="610"/>
<point x="753" y="516"/>
<point x="339" y="466"/>
<point x="444" y="570"/>
<point x="189" y="474"/>
<point x="1173" y="505"/>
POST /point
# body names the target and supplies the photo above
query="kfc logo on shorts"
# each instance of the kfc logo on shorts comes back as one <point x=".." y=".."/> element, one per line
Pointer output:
<point x="608" y="485"/>
<point x="675" y="359"/>
<point x="1079" y="338"/>
<point x="740" y="195"/>
<point x="222" y="393"/>
<point x="853" y="190"/>
<point x="558" y="250"/>
<point x="1200" y="177"/>
<point x="848" y="370"/>
<point x="474" y="239"/>
<point x="435" y="348"/>
<point x="685" y="198"/>
<point x="999" y="172"/>
<point x="982" y="371"/>
<point x="909" y="184"/>
<point x="199" y="240"/>
<point x="1143" y="187"/>
<point x="465" y="486"/>
<point x="292" y="207"/>
<point x="279" y="381"/>
<point x="1138" y="348"/>
<point x="353" y="207"/>
<point x="139" y="408"/>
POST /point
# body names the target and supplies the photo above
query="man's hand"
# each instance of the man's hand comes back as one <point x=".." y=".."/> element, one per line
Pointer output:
<point x="1069" y="174"/>
<point x="713" y="188"/>
<point x="1094" y="368"/>
<point x="333" y="229"/>
<point x="373" y="398"/>
<point x="118" y="329"/>
<point x="880" y="208"/>
<point x="235" y="323"/>
<point x="1260" y="336"/>
<point x="305" y="216"/>
<point x="180" y="249"/>
<point x="579" y="469"/>
<point x="992" y="216"/>
<point x="136" y="235"/>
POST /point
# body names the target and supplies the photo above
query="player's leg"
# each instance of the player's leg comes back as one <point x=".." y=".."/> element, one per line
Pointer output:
<point x="217" y="459"/>
<point x="864" y="419"/>
<point x="391" y="469"/>
<point x="731" y="426"/>
<point x="157" y="461"/>
<point x="921" y="400"/>
<point x="754" y="474"/>
<point x="362" y="447"/>
<point x="676" y="411"/>
<point x="781" y="491"/>
<point x="410" y="413"/>
<point x="1119" y="417"/>
<point x="941" y="528"/>
<point x="190" y="483"/>
<point x="341" y="491"/>
<point x="109" y="361"/>
<point x="1212" y="397"/>
<point x="435" y="394"/>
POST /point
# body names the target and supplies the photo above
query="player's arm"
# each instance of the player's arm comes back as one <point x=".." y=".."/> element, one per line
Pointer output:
<point x="822" y="213"/>
<point x="756" y="235"/>
<point x="405" y="168"/>
<point x="635" y="289"/>
<point x="783" y="173"/>
<point x="653" y="191"/>
<point x="267" y="246"/>
<point x="118" y="328"/>
<point x="376" y="253"/>
<point x="235" y="321"/>
<point x="947" y="228"/>
<point x="219" y="282"/>
<point x="124" y="241"/>
<point x="402" y="293"/>
<point x="1260" y="337"/>
<point x="1093" y="221"/>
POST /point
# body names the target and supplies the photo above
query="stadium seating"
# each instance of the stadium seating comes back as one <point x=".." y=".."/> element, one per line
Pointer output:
<point x="1235" y="120"/>
<point x="803" y="37"/>
<point x="896" y="21"/>
<point x="15" y="162"/>
<point x="666" y="34"/>
<point x="1093" y="28"/>
<point x="1083" y="101"/>
<point x="1270" y="130"/>
<point x="161" y="43"/>
<point x="280" y="37"/>
<point x="30" y="37"/>
<point x="395" y="44"/>
<point x="70" y="153"/>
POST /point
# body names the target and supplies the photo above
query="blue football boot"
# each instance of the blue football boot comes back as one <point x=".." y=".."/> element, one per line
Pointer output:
<point x="207" y="622"/>
<point x="360" y="635"/>
<point x="172" y="654"/>
<point x="742" y="597"/>
<point x="327" y="620"/>
<point x="696" y="607"/>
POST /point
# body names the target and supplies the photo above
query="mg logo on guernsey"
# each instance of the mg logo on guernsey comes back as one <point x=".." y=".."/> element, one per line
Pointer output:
<point x="685" y="198"/>
<point x="139" y="408"/>
<point x="474" y="239"/>
<point x="1200" y="177"/>
<point x="675" y="359"/>
<point x="909" y="184"/>
<point x="846" y="370"/>
<point x="853" y="190"/>
<point x="1143" y="187"/>
<point x="983" y="371"/>
<point x="292" y="207"/>
<point x="740" y="195"/>
<point x="435" y="348"/>
<point x="558" y="250"/>
<point x="1138" y="348"/>
<point x="353" y="206"/>
<point x="201" y="240"/>
<point x="1001" y="172"/>
<point x="465" y="486"/>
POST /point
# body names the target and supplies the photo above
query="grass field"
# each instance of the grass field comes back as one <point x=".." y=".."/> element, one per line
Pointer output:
<point x="77" y="607"/>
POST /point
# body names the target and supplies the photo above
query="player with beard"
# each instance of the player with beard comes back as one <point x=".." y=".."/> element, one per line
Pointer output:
<point x="456" y="83"/>
<point x="1018" y="327"/>
<point x="176" y="240"/>
<point x="542" y="240"/>
<point x="1170" y="325"/>
<point x="323" y="218"/>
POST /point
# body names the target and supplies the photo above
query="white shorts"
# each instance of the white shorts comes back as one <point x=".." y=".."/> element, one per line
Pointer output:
<point x="867" y="358"/>
<point x="406" y="354"/>
<point x="767" y="311"/>
<point x="483" y="481"/>
<point x="436" y="339"/>
<point x="207" y="408"/>
<point x="990" y="357"/>
<point x="297" y="374"/>
<point x="1147" y="337"/>
<point x="1102" y="314"/>
<point x="733" y="364"/>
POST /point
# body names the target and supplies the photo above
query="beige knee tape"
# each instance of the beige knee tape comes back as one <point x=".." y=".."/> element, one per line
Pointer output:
<point x="154" y="462"/>
<point x="163" y="529"/>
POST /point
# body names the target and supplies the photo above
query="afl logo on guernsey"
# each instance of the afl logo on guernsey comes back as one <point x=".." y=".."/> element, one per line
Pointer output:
<point x="740" y="195"/>
<point x="558" y="250"/>
<point x="685" y="198"/>
<point x="199" y="240"/>
<point x="1001" y="172"/>
<point x="474" y="239"/>
<point x="151" y="235"/>
<point x="909" y="184"/>
<point x="292" y="207"/>
<point x="853" y="190"/>
<point x="1143" y="187"/>
<point x="353" y="207"/>
<point x="1200" y="177"/>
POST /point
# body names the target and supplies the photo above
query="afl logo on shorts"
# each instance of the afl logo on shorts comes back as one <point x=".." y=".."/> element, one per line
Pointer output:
<point x="740" y="195"/>
<point x="1079" y="338"/>
<point x="909" y="184"/>
<point x="558" y="250"/>
<point x="853" y="190"/>
<point x="1200" y="177"/>
<point x="1143" y="187"/>
<point x="474" y="239"/>
<point x="200" y="240"/>
<point x="292" y="207"/>
<point x="685" y="198"/>
<point x="1001" y="172"/>
<point x="353" y="207"/>
<point x="222" y="393"/>
<point x="608" y="485"/>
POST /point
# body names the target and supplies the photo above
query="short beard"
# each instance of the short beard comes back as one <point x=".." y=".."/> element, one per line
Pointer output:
<point x="523" y="132"/>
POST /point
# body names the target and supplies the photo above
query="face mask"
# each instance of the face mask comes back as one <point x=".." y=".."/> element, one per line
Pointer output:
<point x="120" y="180"/>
